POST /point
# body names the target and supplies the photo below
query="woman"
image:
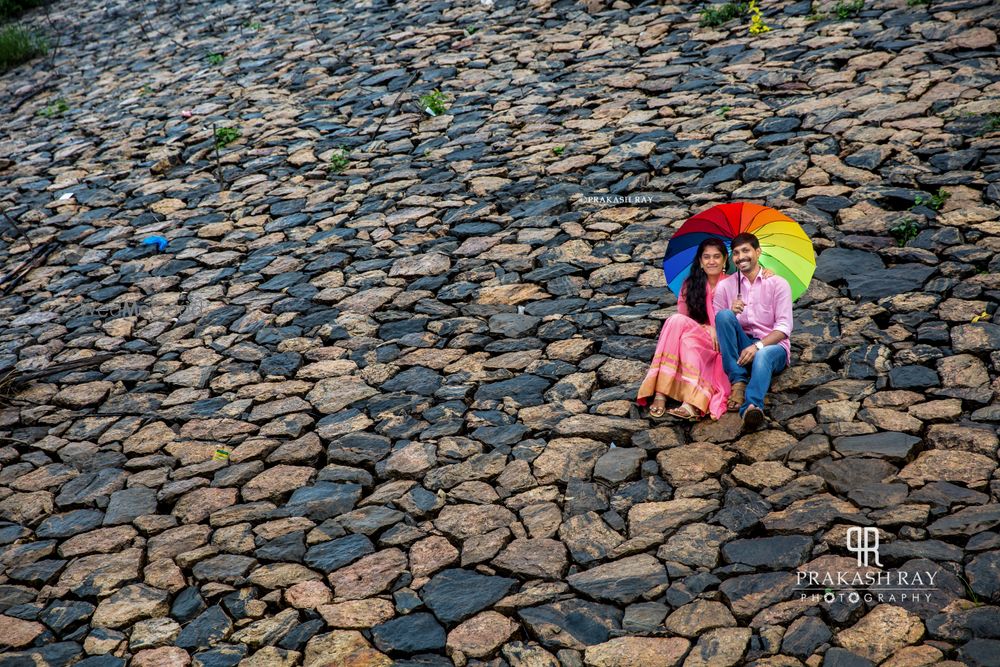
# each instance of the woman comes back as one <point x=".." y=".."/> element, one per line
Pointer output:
<point x="687" y="365"/>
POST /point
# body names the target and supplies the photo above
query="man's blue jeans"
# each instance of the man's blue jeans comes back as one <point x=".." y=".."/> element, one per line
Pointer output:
<point x="732" y="340"/>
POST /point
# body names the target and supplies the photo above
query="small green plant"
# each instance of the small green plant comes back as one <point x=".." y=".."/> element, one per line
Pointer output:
<point x="558" y="150"/>
<point x="722" y="111"/>
<point x="57" y="108"/>
<point x="145" y="90"/>
<point x="471" y="30"/>
<point x="992" y="124"/>
<point x="905" y="231"/>
<point x="19" y="44"/>
<point x="225" y="136"/>
<point x="339" y="160"/>
<point x="215" y="58"/>
<point x="934" y="201"/>
<point x="968" y="588"/>
<point x="816" y="16"/>
<point x="845" y="10"/>
<point x="712" y="17"/>
<point x="253" y="25"/>
<point x="434" y="103"/>
<point x="757" y="25"/>
<point x="915" y="3"/>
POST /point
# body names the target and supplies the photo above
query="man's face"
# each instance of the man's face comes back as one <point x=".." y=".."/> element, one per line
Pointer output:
<point x="745" y="257"/>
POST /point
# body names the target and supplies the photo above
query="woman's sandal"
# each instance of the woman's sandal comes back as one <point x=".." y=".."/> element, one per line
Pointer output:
<point x="685" y="413"/>
<point x="658" y="407"/>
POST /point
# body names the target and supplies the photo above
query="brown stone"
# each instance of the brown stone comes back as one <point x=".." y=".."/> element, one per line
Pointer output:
<point x="129" y="605"/>
<point x="482" y="634"/>
<point x="936" y="465"/>
<point x="104" y="540"/>
<point x="18" y="632"/>
<point x="196" y="506"/>
<point x="165" y="656"/>
<point x="693" y="462"/>
<point x="565" y="459"/>
<point x="357" y="614"/>
<point x="541" y="557"/>
<point x="81" y="395"/>
<point x="277" y="480"/>
<point x="368" y="576"/>
<point x="343" y="648"/>
<point x="464" y="521"/>
<point x="660" y="517"/>
<point x="430" y="555"/>
<point x="637" y="652"/>
<point x="308" y="594"/>
<point x="882" y="631"/>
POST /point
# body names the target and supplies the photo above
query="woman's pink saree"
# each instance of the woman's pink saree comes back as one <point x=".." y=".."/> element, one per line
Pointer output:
<point x="686" y="365"/>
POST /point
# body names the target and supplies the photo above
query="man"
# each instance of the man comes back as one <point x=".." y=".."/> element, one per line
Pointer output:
<point x="753" y="323"/>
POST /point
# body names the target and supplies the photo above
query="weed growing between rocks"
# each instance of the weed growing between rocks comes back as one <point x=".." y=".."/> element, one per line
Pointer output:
<point x="339" y="161"/>
<point x="434" y="103"/>
<point x="905" y="231"/>
<point x="712" y="17"/>
<point x="934" y="201"/>
<point x="846" y="10"/>
<point x="225" y="136"/>
<point x="57" y="108"/>
<point x="19" y="44"/>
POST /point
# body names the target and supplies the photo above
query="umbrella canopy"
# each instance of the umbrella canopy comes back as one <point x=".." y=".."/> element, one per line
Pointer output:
<point x="785" y="248"/>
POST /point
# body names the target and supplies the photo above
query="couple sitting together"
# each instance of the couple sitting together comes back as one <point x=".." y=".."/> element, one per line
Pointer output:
<point x="730" y="337"/>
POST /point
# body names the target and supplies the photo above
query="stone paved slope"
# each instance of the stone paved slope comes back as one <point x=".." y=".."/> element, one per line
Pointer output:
<point x="419" y="370"/>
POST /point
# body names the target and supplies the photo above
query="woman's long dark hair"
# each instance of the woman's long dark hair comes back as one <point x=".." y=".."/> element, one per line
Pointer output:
<point x="696" y="285"/>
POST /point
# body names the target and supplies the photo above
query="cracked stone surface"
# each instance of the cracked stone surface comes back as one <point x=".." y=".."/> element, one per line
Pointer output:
<point x="384" y="413"/>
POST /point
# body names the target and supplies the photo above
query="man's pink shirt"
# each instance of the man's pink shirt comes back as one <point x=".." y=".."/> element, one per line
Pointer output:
<point x="768" y="305"/>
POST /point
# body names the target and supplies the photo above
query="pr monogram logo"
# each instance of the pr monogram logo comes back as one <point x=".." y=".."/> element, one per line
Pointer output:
<point x="864" y="542"/>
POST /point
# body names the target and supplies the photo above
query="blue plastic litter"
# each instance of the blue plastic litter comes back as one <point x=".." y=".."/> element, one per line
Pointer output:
<point x="158" y="241"/>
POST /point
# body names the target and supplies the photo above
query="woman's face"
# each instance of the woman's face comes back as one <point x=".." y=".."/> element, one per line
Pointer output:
<point x="713" y="262"/>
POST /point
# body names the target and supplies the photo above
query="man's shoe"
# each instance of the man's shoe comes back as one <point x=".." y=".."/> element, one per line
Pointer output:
<point x="753" y="417"/>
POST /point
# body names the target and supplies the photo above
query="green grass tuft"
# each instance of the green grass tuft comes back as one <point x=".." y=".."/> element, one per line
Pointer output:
<point x="19" y="44"/>
<point x="845" y="10"/>
<point x="712" y="17"/>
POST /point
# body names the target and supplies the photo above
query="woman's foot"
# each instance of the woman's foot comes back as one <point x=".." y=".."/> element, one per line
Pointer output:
<point x="658" y="407"/>
<point x="685" y="411"/>
<point x="736" y="398"/>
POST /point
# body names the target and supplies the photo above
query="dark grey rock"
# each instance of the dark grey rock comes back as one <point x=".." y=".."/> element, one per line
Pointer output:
<point x="335" y="554"/>
<point x="409" y="634"/>
<point x="775" y="553"/>
<point x="69" y="523"/>
<point x="456" y="594"/>
<point x="887" y="445"/>
<point x="571" y="623"/>
<point x="209" y="628"/>
<point x="128" y="504"/>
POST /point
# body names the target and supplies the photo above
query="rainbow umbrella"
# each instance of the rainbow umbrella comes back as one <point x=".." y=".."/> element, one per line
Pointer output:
<point x="785" y="248"/>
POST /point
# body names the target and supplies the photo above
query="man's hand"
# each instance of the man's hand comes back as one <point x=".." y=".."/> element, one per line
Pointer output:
<point x="747" y="355"/>
<point x="738" y="306"/>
